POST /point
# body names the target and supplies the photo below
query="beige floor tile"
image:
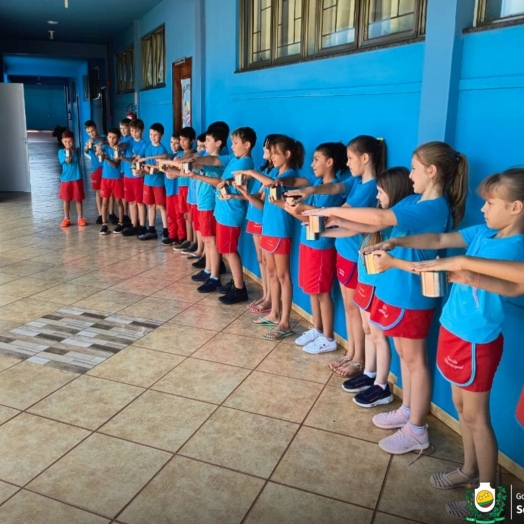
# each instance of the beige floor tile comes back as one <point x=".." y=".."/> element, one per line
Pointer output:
<point x="27" y="507"/>
<point x="235" y="350"/>
<point x="5" y="279"/>
<point x="290" y="361"/>
<point x="181" y="292"/>
<point x="8" y="299"/>
<point x="384" y="518"/>
<point x="108" y="301"/>
<point x="168" y="276"/>
<point x="6" y="491"/>
<point x="8" y="326"/>
<point x="159" y="420"/>
<point x="62" y="273"/>
<point x="7" y="413"/>
<point x="243" y="325"/>
<point x="30" y="444"/>
<point x="26" y="310"/>
<point x="159" y="309"/>
<point x="8" y="362"/>
<point x="88" y="476"/>
<point x="172" y="338"/>
<point x="25" y="384"/>
<point x="130" y="269"/>
<point x="136" y="366"/>
<point x="181" y="493"/>
<point x="347" y="469"/>
<point x="447" y="443"/>
<point x="425" y="503"/>
<point x="27" y="286"/>
<point x="241" y="441"/>
<point x="279" y="504"/>
<point x="141" y="285"/>
<point x="335" y="411"/>
<point x="66" y="294"/>
<point x="198" y="316"/>
<point x="280" y="397"/>
<point x="25" y="268"/>
<point x="200" y="380"/>
<point x="87" y="402"/>
<point x="95" y="279"/>
<point x="30" y="252"/>
<point x="7" y="260"/>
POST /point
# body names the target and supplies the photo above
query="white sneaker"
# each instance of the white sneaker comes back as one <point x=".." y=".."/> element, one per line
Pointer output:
<point x="309" y="336"/>
<point x="320" y="345"/>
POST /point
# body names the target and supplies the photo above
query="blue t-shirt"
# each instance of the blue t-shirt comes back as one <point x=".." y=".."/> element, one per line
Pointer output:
<point x="232" y="212"/>
<point x="322" y="201"/>
<point x="206" y="192"/>
<point x="171" y="184"/>
<point x="156" y="180"/>
<point x="183" y="181"/>
<point x="277" y="222"/>
<point x="95" y="163"/>
<point x="473" y="314"/>
<point x="125" y="166"/>
<point x="253" y="213"/>
<point x="108" y="171"/>
<point x="414" y="217"/>
<point x="71" y="170"/>
<point x="360" y="195"/>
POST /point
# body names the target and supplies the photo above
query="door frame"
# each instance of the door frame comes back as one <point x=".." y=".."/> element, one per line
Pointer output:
<point x="179" y="69"/>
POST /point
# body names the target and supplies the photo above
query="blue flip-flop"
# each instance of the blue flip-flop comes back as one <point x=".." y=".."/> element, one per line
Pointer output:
<point x="280" y="335"/>
<point x="261" y="321"/>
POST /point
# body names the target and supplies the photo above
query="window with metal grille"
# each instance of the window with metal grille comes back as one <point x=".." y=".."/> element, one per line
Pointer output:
<point x="494" y="11"/>
<point x="125" y="71"/>
<point x="154" y="59"/>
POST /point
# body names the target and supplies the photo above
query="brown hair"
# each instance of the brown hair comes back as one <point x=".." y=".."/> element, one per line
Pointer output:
<point x="374" y="147"/>
<point x="452" y="174"/>
<point x="395" y="182"/>
<point x="284" y="144"/>
<point x="508" y="185"/>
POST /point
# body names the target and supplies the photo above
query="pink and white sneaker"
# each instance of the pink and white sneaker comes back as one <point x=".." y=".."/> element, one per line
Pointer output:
<point x="391" y="419"/>
<point x="404" y="441"/>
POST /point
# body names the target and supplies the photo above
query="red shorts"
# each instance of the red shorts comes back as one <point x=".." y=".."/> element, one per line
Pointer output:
<point x="316" y="269"/>
<point x="154" y="195"/>
<point x="182" y="199"/>
<point x="112" y="187"/>
<point x="275" y="245"/>
<point x="520" y="409"/>
<point x="193" y="214"/>
<point x="207" y="223"/>
<point x="363" y="297"/>
<point x="347" y="272"/>
<point x="470" y="366"/>
<point x="134" y="189"/>
<point x="96" y="179"/>
<point x="73" y="190"/>
<point x="401" y="323"/>
<point x="253" y="228"/>
<point x="227" y="239"/>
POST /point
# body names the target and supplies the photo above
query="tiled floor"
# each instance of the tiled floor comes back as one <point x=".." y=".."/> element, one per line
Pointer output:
<point x="125" y="396"/>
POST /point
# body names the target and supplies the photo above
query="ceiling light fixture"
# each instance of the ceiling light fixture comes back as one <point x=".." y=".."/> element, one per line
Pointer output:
<point x="52" y="22"/>
<point x="66" y="3"/>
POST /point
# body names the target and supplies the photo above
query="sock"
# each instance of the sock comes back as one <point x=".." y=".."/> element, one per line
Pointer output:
<point x="79" y="216"/>
<point x="405" y="411"/>
<point x="383" y="386"/>
<point x="370" y="374"/>
<point x="417" y="430"/>
<point x="207" y="272"/>
<point x="330" y="339"/>
<point x="214" y="278"/>
<point x="67" y="218"/>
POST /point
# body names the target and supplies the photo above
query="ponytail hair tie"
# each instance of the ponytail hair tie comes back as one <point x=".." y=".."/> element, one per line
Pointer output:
<point x="457" y="156"/>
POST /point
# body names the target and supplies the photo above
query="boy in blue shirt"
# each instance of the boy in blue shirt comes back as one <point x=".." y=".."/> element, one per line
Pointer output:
<point x="71" y="183"/>
<point x="96" y="175"/>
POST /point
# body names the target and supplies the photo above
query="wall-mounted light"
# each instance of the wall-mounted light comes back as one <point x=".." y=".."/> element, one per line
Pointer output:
<point x="51" y="35"/>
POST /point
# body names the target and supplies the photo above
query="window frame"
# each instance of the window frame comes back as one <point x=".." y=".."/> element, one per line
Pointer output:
<point x="122" y="59"/>
<point x="149" y="38"/>
<point x="311" y="38"/>
<point x="480" y="19"/>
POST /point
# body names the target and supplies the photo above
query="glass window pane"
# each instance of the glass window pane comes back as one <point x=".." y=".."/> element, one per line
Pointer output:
<point x="289" y="34"/>
<point x="496" y="9"/>
<point x="338" y="22"/>
<point x="388" y="17"/>
<point x="261" y="31"/>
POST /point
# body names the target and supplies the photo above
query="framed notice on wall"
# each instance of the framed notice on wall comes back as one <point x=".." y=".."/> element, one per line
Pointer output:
<point x="186" y="102"/>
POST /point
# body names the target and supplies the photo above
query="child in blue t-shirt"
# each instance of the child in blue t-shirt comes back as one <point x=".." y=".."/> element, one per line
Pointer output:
<point x="96" y="165"/>
<point x="71" y="183"/>
<point x="470" y="340"/>
<point x="439" y="176"/>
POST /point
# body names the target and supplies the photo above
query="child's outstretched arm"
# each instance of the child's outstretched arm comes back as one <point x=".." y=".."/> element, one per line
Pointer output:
<point x="324" y="189"/>
<point x="425" y="241"/>
<point x="263" y="179"/>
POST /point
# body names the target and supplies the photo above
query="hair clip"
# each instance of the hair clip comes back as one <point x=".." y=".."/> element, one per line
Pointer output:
<point x="457" y="156"/>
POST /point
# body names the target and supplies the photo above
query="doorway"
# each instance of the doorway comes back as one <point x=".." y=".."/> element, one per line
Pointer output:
<point x="182" y="94"/>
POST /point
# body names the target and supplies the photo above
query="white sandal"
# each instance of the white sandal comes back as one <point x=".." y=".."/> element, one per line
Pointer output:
<point x="442" y="480"/>
<point x="458" y="509"/>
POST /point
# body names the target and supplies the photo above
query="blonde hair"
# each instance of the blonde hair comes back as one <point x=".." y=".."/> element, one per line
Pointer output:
<point x="508" y="185"/>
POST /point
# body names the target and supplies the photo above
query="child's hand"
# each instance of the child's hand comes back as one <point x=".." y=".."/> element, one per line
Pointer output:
<point x="463" y="277"/>
<point x="302" y="193"/>
<point x="319" y="211"/>
<point x="383" y="261"/>
<point x="332" y="222"/>
<point x="241" y="189"/>
<point x="388" y="245"/>
<point x="171" y="173"/>
<point x="440" y="264"/>
<point x="222" y="184"/>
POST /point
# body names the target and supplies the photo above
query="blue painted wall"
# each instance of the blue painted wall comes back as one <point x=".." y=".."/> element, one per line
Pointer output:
<point x="45" y="106"/>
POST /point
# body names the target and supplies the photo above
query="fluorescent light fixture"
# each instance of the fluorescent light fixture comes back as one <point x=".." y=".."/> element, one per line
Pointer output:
<point x="52" y="22"/>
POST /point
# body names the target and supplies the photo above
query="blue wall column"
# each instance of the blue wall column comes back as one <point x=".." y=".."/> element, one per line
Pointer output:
<point x="446" y="20"/>
<point x="198" y="73"/>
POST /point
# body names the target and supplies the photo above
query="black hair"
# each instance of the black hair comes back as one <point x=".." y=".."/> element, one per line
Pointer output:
<point x="176" y="135"/>
<point x="268" y="142"/>
<point x="374" y="147"/>
<point x="125" y="121"/>
<point x="138" y="124"/>
<point x="246" y="134"/>
<point x="336" y="151"/>
<point x="218" y="133"/>
<point x="188" y="132"/>
<point x="159" y="128"/>
<point x="115" y="131"/>
<point x="201" y="137"/>
<point x="284" y="144"/>
<point x="90" y="123"/>
<point x="219" y="124"/>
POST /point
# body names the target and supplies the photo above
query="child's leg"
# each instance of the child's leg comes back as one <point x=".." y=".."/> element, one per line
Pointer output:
<point x="200" y="244"/>
<point x="355" y="333"/>
<point x="274" y="286"/>
<point x="414" y="363"/>
<point x="265" y="300"/>
<point x="382" y="351"/>
<point x="171" y="216"/>
<point x="105" y="207"/>
<point x="98" y="200"/>
<point x="235" y="264"/>
<point x="120" y="206"/>
<point x="316" y="313"/>
<point x="163" y="215"/>
<point x="142" y="214"/>
<point x="111" y="205"/>
<point x="370" y="349"/>
<point x="286" y="287"/>
<point x="189" y="228"/>
<point x="327" y="313"/>
<point x="133" y="213"/>
<point x="79" y="208"/>
<point x="212" y="256"/>
<point x="67" y="208"/>
<point x="151" y="214"/>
